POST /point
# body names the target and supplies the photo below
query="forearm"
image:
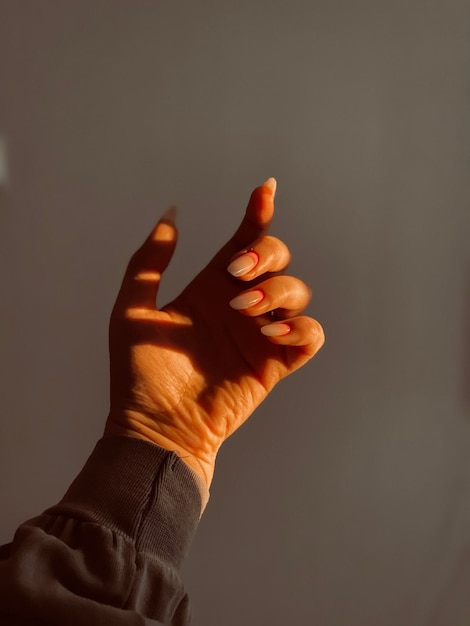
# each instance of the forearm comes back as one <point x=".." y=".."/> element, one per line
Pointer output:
<point x="111" y="550"/>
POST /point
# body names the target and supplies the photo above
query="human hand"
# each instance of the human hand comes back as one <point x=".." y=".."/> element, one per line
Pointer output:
<point x="187" y="375"/>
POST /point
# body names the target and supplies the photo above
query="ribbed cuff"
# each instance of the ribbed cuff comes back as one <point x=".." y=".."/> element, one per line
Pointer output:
<point x="137" y="489"/>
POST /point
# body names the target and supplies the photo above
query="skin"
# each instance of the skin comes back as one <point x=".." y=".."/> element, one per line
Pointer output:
<point x="187" y="375"/>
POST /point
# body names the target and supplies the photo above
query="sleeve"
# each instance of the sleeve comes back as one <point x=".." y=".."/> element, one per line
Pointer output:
<point x="110" y="551"/>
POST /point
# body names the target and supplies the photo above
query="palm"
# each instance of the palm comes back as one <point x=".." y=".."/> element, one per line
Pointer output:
<point x="199" y="359"/>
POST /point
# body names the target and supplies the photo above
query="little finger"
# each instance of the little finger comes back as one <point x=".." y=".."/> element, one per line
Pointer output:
<point x="298" y="331"/>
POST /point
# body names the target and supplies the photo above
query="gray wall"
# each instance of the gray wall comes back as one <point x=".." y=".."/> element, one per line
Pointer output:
<point x="345" y="500"/>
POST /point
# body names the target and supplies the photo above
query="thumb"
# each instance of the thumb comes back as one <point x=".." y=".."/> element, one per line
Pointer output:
<point x="256" y="221"/>
<point x="258" y="215"/>
<point x="143" y="275"/>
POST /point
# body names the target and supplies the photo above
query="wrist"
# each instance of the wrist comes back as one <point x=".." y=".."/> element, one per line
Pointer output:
<point x="131" y="427"/>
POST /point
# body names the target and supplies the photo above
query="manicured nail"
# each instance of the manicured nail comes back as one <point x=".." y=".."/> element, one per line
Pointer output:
<point x="272" y="184"/>
<point x="275" y="330"/>
<point x="243" y="264"/>
<point x="169" y="215"/>
<point x="245" y="300"/>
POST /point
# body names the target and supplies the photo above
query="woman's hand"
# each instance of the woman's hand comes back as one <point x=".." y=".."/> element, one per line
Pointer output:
<point x="186" y="376"/>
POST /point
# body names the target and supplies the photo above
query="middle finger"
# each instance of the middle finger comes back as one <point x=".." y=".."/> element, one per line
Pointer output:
<point x="287" y="295"/>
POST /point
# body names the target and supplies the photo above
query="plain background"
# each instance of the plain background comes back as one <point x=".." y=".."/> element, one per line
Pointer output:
<point x="345" y="500"/>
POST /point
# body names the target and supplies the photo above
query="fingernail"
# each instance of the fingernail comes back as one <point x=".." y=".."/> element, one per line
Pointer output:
<point x="275" y="330"/>
<point x="243" y="264"/>
<point x="272" y="184"/>
<point x="169" y="215"/>
<point x="245" y="300"/>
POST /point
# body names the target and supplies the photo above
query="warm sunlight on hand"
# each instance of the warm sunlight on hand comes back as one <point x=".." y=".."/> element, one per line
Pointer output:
<point x="187" y="375"/>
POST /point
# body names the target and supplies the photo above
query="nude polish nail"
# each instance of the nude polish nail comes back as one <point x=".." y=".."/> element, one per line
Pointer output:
<point x="245" y="300"/>
<point x="243" y="264"/>
<point x="275" y="330"/>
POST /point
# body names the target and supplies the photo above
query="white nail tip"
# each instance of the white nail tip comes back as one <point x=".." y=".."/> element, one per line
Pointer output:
<point x="272" y="184"/>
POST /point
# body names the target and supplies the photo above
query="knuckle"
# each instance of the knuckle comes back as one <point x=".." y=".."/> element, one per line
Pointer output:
<point x="278" y="247"/>
<point x="318" y="333"/>
<point x="271" y="240"/>
<point x="301" y="286"/>
<point x="305" y="291"/>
